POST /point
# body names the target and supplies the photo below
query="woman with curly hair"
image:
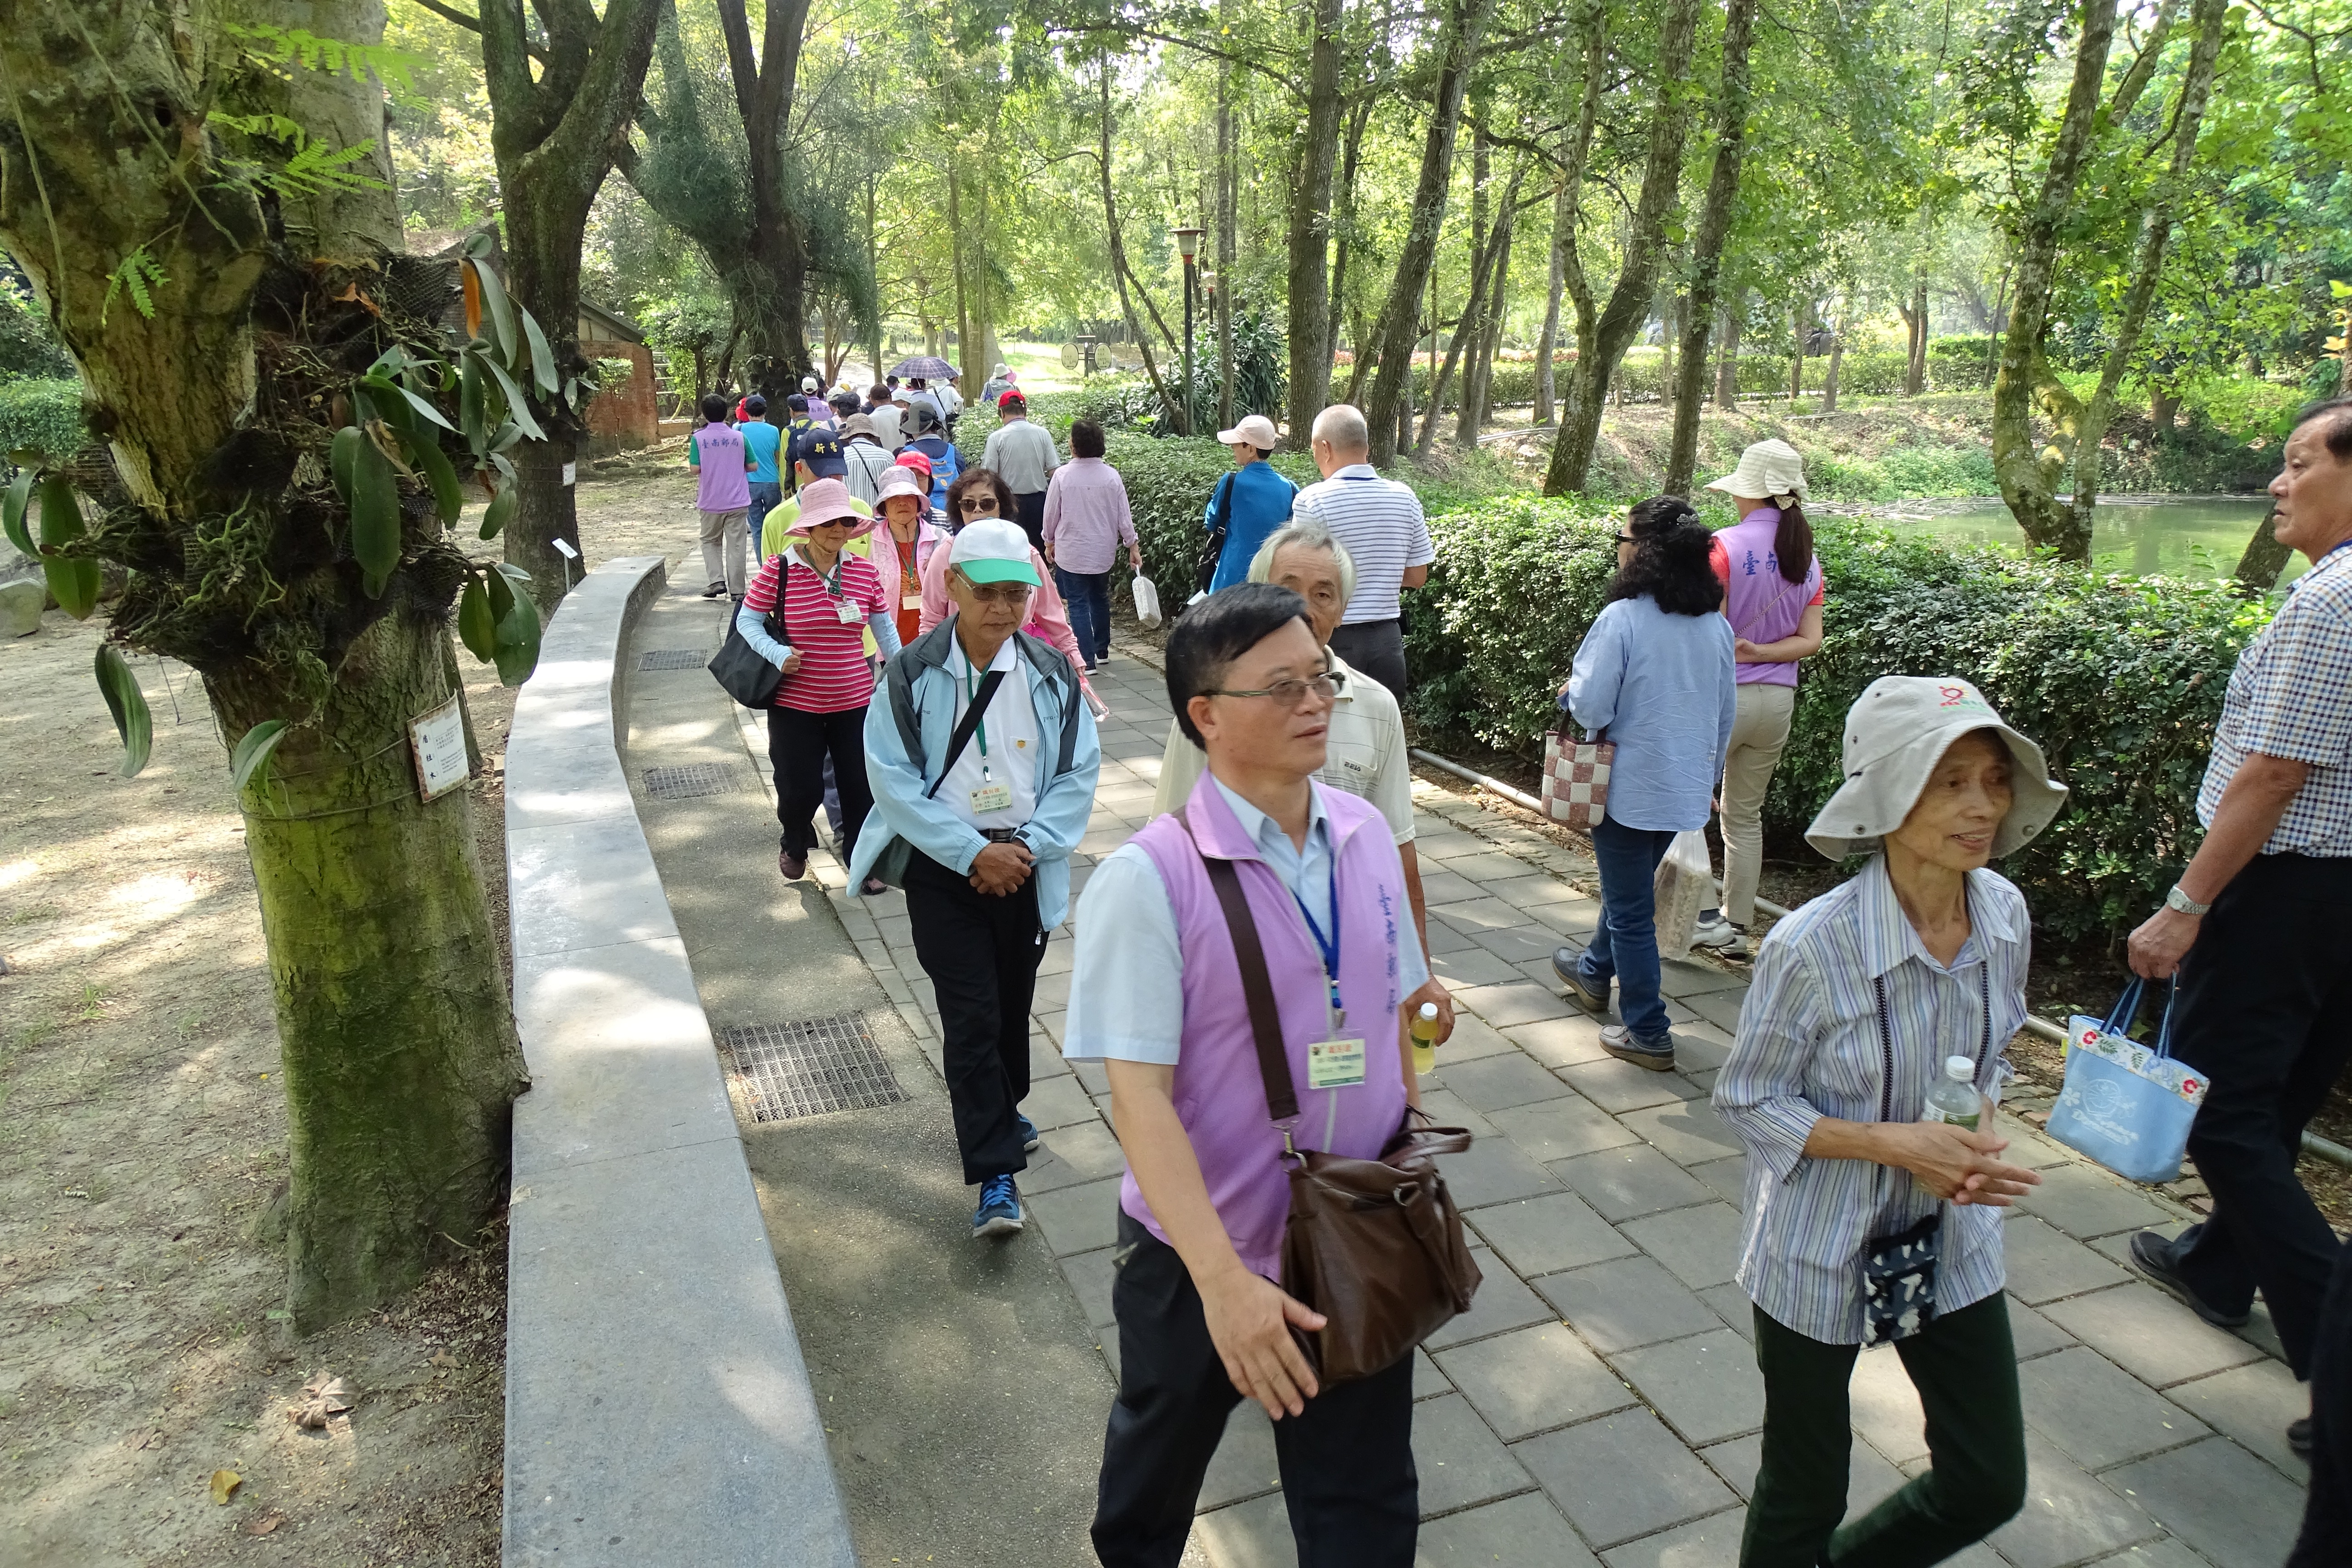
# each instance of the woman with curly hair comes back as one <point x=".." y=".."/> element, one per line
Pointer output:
<point x="1656" y="675"/>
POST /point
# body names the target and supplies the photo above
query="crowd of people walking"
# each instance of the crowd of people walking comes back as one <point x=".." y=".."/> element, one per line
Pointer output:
<point x="933" y="627"/>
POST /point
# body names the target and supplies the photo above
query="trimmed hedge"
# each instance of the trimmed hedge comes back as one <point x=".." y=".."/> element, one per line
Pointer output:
<point x="42" y="415"/>
<point x="2120" y="680"/>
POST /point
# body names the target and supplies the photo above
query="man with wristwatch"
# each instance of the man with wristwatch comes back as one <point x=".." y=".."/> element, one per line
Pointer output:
<point x="2257" y="927"/>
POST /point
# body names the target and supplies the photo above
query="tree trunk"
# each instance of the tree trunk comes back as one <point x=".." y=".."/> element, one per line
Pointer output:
<point x="1310" y="225"/>
<point x="1829" y="376"/>
<point x="2163" y="408"/>
<point x="1344" y="252"/>
<point x="1600" y="349"/>
<point x="1169" y="403"/>
<point x="1707" y="251"/>
<point x="1463" y="30"/>
<point x="1473" y="325"/>
<point x="1478" y="376"/>
<point x="963" y="300"/>
<point x="1727" y="371"/>
<point x="1796" y="355"/>
<point x="2265" y="557"/>
<point x="1225" y="248"/>
<point x="1914" y="370"/>
<point x="394" y="1018"/>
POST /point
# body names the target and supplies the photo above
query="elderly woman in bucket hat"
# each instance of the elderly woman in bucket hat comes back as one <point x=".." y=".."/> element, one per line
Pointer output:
<point x="1870" y="1216"/>
<point x="828" y="599"/>
<point x="1773" y="594"/>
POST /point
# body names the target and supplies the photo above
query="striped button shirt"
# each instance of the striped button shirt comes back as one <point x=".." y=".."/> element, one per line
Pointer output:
<point x="833" y="675"/>
<point x="2290" y="697"/>
<point x="1809" y="1046"/>
<point x="1381" y="523"/>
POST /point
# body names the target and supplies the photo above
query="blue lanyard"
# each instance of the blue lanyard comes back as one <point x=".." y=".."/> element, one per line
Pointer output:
<point x="1328" y="945"/>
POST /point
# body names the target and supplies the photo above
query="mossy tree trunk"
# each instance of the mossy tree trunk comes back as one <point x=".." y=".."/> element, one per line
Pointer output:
<point x="393" y="1019"/>
<point x="1706" y="244"/>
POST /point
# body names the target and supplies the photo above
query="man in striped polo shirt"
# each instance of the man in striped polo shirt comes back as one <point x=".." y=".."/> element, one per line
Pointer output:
<point x="1381" y="523"/>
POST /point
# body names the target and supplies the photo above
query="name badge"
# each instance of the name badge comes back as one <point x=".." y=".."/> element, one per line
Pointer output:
<point x="991" y="797"/>
<point x="910" y="601"/>
<point x="847" y="614"/>
<point x="1334" y="1064"/>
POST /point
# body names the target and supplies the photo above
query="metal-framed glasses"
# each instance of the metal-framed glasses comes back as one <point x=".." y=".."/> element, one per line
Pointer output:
<point x="1287" y="693"/>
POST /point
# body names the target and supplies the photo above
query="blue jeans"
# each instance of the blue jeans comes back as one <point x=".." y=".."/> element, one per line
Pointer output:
<point x="766" y="496"/>
<point x="1626" y="943"/>
<point x="1087" y="594"/>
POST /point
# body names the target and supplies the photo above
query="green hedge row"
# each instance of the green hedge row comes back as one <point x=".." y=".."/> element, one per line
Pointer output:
<point x="2120" y="680"/>
<point x="42" y="415"/>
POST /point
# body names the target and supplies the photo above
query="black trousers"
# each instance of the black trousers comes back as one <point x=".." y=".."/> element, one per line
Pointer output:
<point x="1029" y="511"/>
<point x="798" y="746"/>
<point x="2326" y="1539"/>
<point x="2265" y="1012"/>
<point x="1377" y="649"/>
<point x="981" y="951"/>
<point x="1347" y="1475"/>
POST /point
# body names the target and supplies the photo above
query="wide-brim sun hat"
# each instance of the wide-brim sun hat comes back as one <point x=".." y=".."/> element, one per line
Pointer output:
<point x="899" y="481"/>
<point x="1768" y="470"/>
<point x="1256" y="429"/>
<point x="1895" y="733"/>
<point x="829" y="500"/>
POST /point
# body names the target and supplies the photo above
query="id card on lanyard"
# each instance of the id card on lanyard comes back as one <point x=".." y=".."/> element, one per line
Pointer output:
<point x="1336" y="1062"/>
<point x="988" y="796"/>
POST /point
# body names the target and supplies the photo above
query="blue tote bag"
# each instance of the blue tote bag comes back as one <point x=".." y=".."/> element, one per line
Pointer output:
<point x="2125" y="1104"/>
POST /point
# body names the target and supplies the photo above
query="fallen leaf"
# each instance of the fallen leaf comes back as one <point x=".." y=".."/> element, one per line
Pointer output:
<point x="263" y="1523"/>
<point x="150" y="1439"/>
<point x="224" y="1485"/>
<point x="441" y="1358"/>
<point x="325" y="1395"/>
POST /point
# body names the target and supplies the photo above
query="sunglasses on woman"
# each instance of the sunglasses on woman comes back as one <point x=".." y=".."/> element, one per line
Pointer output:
<point x="977" y="506"/>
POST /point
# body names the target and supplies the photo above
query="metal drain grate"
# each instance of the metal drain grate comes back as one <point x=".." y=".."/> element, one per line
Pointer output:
<point x="695" y="778"/>
<point x="809" y="1068"/>
<point x="673" y="658"/>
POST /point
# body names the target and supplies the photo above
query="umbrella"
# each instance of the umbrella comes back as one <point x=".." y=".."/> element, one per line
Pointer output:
<point x="930" y="367"/>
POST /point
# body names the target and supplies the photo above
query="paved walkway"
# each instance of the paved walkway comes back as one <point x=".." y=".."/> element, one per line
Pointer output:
<point x="1601" y="1402"/>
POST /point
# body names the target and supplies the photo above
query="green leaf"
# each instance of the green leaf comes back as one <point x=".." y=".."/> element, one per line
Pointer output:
<point x="542" y="362"/>
<point x="501" y="593"/>
<point x="500" y="511"/>
<point x="473" y="416"/>
<point x="60" y="514"/>
<point x="73" y="584"/>
<point x="477" y="627"/>
<point x="375" y="516"/>
<point x="252" y="751"/>
<point x="129" y="706"/>
<point x="518" y="409"/>
<point x="517" y="635"/>
<point x="425" y="455"/>
<point x="498" y="313"/>
<point x="12" y="511"/>
<point x="389" y="388"/>
<point x="343" y="458"/>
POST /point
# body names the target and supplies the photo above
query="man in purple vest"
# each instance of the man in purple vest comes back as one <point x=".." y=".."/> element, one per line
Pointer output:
<point x="1202" y="1324"/>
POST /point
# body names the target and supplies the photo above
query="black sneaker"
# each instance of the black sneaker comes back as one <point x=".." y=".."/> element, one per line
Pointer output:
<point x="716" y="590"/>
<point x="2152" y="1254"/>
<point x="1658" y="1055"/>
<point x="1563" y="963"/>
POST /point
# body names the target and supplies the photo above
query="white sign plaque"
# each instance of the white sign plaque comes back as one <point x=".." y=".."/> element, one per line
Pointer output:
<point x="439" y="741"/>
<point x="570" y="471"/>
<point x="564" y="547"/>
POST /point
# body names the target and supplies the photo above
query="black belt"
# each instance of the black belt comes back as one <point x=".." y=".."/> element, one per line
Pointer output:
<point x="1000" y="835"/>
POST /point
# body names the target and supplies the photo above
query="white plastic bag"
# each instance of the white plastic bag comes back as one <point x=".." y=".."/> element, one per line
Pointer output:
<point x="1147" y="601"/>
<point x="1685" y="885"/>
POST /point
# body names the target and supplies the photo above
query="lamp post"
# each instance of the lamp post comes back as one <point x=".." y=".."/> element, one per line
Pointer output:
<point x="1086" y="341"/>
<point x="1188" y="246"/>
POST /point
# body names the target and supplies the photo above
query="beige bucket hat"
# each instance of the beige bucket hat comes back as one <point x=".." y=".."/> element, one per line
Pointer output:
<point x="1894" y="735"/>
<point x="1768" y="470"/>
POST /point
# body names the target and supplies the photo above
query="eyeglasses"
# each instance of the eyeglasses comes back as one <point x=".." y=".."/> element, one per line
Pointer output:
<point x="1627" y="538"/>
<point x="999" y="593"/>
<point x="1287" y="693"/>
<point x="985" y="506"/>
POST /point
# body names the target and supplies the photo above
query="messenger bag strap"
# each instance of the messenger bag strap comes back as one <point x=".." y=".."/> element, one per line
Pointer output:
<point x="1258" y="989"/>
<point x="965" y="726"/>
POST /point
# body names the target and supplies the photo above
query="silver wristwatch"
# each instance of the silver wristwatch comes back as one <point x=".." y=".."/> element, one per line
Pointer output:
<point x="2176" y="899"/>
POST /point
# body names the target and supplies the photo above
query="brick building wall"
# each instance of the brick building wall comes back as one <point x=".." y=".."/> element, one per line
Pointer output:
<point x="621" y="418"/>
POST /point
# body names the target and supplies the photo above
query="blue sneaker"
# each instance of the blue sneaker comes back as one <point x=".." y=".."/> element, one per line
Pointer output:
<point x="999" y="1208"/>
<point x="1029" y="1139"/>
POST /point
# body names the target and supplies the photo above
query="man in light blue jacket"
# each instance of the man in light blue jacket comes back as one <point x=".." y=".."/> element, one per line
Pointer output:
<point x="982" y="758"/>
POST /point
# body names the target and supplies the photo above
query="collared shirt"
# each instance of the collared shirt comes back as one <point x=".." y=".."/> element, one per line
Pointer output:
<point x="1132" y="1010"/>
<point x="1023" y="452"/>
<point x="1364" y="753"/>
<point x="1809" y="1046"/>
<point x="1662" y="688"/>
<point x="1379" y="522"/>
<point x="1009" y="732"/>
<point x="1087" y="516"/>
<point x="2290" y="697"/>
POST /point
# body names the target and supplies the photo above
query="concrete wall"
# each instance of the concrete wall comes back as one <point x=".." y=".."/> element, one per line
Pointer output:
<point x="658" y="1407"/>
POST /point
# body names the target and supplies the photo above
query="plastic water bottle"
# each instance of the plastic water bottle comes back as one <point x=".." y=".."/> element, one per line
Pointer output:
<point x="1954" y="1099"/>
<point x="1424" y="1040"/>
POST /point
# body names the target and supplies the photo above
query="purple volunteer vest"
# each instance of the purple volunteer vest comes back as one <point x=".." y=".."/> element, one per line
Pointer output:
<point x="1764" y="606"/>
<point x="1219" y="1094"/>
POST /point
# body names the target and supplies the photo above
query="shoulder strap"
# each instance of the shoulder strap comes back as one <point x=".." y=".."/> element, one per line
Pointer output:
<point x="965" y="726"/>
<point x="1059" y="670"/>
<point x="1222" y="516"/>
<point x="1258" y="989"/>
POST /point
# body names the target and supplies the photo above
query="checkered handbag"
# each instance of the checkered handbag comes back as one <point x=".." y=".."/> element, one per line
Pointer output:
<point x="1576" y="779"/>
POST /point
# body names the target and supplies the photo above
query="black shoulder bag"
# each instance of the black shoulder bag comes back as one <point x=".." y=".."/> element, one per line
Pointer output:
<point x="743" y="670"/>
<point x="1221" y="517"/>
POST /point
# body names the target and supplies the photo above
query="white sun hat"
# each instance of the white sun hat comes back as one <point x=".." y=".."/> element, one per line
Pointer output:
<point x="898" y="481"/>
<point x="1768" y="470"/>
<point x="993" y="551"/>
<point x="1895" y="733"/>
<point x="1256" y="429"/>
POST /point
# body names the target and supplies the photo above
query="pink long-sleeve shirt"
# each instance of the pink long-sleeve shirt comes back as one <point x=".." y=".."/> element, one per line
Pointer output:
<point x="1087" y="516"/>
<point x="1048" y="617"/>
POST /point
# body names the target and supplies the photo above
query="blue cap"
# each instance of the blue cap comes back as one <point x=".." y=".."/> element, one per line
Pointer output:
<point x="821" y="450"/>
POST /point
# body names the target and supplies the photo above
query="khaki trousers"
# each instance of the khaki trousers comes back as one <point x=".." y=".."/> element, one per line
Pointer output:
<point x="1759" y="732"/>
<point x="723" y="537"/>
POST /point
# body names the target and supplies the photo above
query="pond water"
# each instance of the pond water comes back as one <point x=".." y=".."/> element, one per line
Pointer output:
<point x="2191" y="536"/>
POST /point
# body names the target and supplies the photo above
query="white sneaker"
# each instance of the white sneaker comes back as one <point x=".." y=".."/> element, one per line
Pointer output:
<point x="1722" y="936"/>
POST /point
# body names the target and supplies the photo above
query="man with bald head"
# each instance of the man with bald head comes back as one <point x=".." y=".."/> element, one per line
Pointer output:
<point x="1380" y="522"/>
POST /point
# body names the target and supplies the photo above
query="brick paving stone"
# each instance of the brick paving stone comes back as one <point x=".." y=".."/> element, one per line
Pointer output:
<point x="1518" y="1002"/>
<point x="2033" y="1333"/>
<point x="1441" y="886"/>
<point x="1472" y="1039"/>
<point x="1537" y="891"/>
<point x="1688" y="1132"/>
<point x="1621" y="1305"/>
<point x="1244" y="1464"/>
<point x="2099" y="1415"/>
<point x="1090" y="1275"/>
<point x="1731" y="1304"/>
<point x="2149" y="1334"/>
<point x="2068" y="1517"/>
<point x="1525" y="945"/>
<point x="1687" y="978"/>
<point x="1534" y="1379"/>
<point x="1059" y="1102"/>
<point x="1698" y="1048"/>
<point x="1076" y="1219"/>
<point x="1578" y="921"/>
<point x="1526" y="1528"/>
<point x="1705" y="1386"/>
<point x="1503" y="1302"/>
<point x="1498" y="1082"/>
<point x="1083" y="1152"/>
<point x="1447" y="1109"/>
<point x="1092" y="1077"/>
<point x="2044" y="1264"/>
<point x="1625" y="1184"/>
<point x="1252" y="1534"/>
<point x="1560" y="1042"/>
<point x="2251" y="1404"/>
<point x="1489" y="867"/>
<point x="1561" y="1129"/>
<point x="1428" y="1382"/>
<point x="1622" y="1477"/>
<point x="2231" y="1507"/>
<point x="1728" y="1178"/>
<point x="1546" y="1235"/>
<point x="1460" y="1462"/>
<point x="2086" y="1201"/>
<point x="1444" y="939"/>
<point x="1481" y="913"/>
<point x="1700" y="1245"/>
<point x="1472" y="966"/>
<point x="2165" y="1552"/>
<point x="1447" y="845"/>
<point x="1885" y="1408"/>
<point x="1720" y="1008"/>
<point x="1869" y="1479"/>
<point x="1494" y="1171"/>
<point x="1710" y="1543"/>
<point x="1045" y="1058"/>
<point x="1619" y="1087"/>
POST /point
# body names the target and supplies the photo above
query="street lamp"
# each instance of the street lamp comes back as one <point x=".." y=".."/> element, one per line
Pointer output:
<point x="1086" y="341"/>
<point x="1188" y="246"/>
